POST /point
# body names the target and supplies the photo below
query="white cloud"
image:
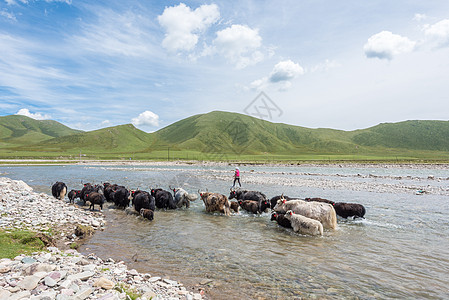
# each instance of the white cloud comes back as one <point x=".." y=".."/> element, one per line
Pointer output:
<point x="285" y="71"/>
<point x="386" y="45"/>
<point x="8" y="15"/>
<point x="419" y="17"/>
<point x="182" y="25"/>
<point x="239" y="44"/>
<point x="11" y="2"/>
<point x="325" y="66"/>
<point x="106" y="123"/>
<point x="438" y="33"/>
<point x="36" y="116"/>
<point x="280" y="77"/>
<point x="147" y="118"/>
<point x="69" y="2"/>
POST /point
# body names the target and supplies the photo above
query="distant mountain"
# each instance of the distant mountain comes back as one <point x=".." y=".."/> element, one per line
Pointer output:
<point x="414" y="135"/>
<point x="224" y="132"/>
<point x="118" y="139"/>
<point x="21" y="130"/>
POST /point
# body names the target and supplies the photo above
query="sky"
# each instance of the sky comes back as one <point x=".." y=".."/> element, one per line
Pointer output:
<point x="345" y="64"/>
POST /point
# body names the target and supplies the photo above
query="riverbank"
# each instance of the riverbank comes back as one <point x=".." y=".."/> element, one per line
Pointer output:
<point x="63" y="273"/>
<point x="323" y="163"/>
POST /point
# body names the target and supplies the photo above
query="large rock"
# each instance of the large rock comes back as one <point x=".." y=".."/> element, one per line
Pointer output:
<point x="29" y="282"/>
<point x="104" y="283"/>
<point x="38" y="267"/>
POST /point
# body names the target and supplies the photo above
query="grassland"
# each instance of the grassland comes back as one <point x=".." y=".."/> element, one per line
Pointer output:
<point x="15" y="242"/>
<point x="223" y="136"/>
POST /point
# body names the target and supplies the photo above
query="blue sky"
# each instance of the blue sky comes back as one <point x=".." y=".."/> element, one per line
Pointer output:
<point x="324" y="63"/>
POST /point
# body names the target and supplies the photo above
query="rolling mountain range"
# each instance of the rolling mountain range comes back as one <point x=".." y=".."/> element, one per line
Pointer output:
<point x="221" y="132"/>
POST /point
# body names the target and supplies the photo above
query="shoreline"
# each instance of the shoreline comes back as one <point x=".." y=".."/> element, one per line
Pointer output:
<point x="338" y="164"/>
<point x="64" y="273"/>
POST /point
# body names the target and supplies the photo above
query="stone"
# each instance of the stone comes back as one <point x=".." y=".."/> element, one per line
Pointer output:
<point x="48" y="295"/>
<point x="50" y="282"/>
<point x="20" y="295"/>
<point x="81" y="276"/>
<point x="74" y="287"/>
<point x="109" y="296"/>
<point x="171" y="282"/>
<point x="118" y="271"/>
<point x="83" y="294"/>
<point x="89" y="267"/>
<point x="5" y="269"/>
<point x="67" y="292"/>
<point x="197" y="297"/>
<point x="104" y="283"/>
<point x="38" y="267"/>
<point x="28" y="260"/>
<point x="66" y="284"/>
<point x="154" y="279"/>
<point x="55" y="276"/>
<point x="40" y="274"/>
<point x="149" y="295"/>
<point x="4" y="294"/>
<point x="83" y="262"/>
<point x="29" y="282"/>
<point x="63" y="297"/>
<point x="206" y="281"/>
<point x="133" y="272"/>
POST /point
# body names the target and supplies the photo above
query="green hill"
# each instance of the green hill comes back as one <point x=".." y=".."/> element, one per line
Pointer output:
<point x="235" y="133"/>
<point x="118" y="139"/>
<point x="413" y="135"/>
<point x="16" y="130"/>
<point x="236" y="136"/>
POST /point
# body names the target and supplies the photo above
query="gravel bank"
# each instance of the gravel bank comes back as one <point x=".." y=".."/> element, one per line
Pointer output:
<point x="64" y="273"/>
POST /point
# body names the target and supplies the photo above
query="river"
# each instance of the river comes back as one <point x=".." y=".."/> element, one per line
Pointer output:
<point x="400" y="250"/>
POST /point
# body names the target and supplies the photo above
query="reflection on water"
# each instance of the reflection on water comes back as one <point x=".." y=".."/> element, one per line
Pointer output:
<point x="399" y="251"/>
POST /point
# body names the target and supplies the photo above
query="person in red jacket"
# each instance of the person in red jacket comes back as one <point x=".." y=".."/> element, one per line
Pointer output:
<point x="237" y="177"/>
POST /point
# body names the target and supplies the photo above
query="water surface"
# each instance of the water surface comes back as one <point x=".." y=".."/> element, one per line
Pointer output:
<point x="400" y="250"/>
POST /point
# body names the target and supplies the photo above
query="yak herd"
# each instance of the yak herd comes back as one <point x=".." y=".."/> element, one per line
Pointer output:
<point x="306" y="216"/>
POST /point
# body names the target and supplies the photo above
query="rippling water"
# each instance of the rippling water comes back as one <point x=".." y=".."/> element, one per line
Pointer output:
<point x="401" y="249"/>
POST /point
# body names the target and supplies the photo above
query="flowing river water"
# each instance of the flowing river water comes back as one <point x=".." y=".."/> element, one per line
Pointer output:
<point x="400" y="250"/>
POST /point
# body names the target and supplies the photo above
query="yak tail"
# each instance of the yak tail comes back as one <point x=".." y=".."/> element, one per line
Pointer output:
<point x="227" y="208"/>
<point x="192" y="197"/>
<point x="332" y="221"/>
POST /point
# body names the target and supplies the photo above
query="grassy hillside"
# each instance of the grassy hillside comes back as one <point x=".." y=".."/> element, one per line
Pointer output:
<point x="117" y="139"/>
<point x="21" y="130"/>
<point x="241" y="134"/>
<point x="222" y="136"/>
<point x="416" y="135"/>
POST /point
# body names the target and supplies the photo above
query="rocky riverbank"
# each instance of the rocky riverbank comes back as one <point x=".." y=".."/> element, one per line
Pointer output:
<point x="63" y="273"/>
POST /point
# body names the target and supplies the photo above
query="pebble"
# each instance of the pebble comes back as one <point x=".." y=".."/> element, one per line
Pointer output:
<point x="67" y="274"/>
